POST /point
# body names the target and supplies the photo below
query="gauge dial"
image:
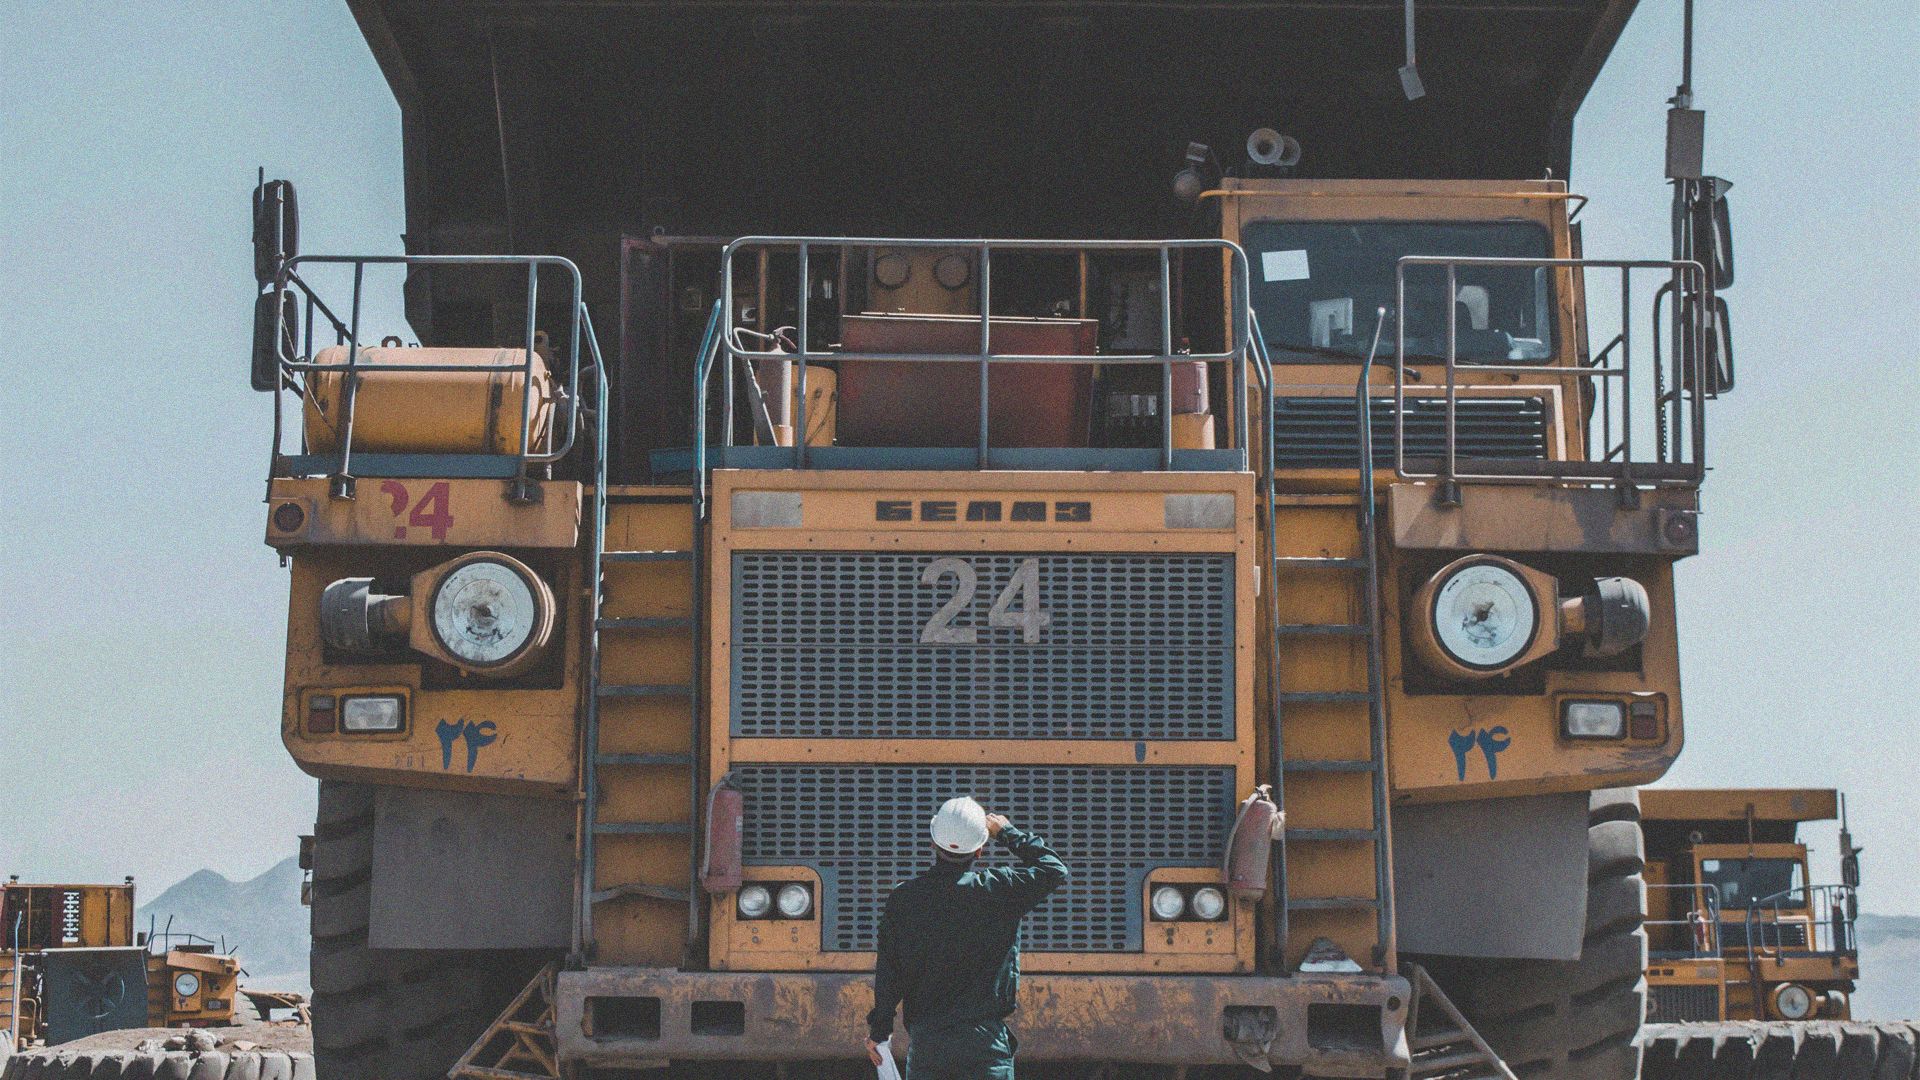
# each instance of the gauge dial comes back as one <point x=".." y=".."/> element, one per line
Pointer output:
<point x="485" y="613"/>
<point x="186" y="984"/>
<point x="1484" y="615"/>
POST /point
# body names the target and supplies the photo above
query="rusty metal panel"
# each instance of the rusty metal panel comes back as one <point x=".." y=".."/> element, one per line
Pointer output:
<point x="1514" y="518"/>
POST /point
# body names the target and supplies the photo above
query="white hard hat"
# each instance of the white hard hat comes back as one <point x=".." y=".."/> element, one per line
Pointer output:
<point x="960" y="826"/>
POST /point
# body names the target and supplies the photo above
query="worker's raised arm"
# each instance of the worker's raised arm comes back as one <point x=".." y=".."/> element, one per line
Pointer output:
<point x="1040" y="872"/>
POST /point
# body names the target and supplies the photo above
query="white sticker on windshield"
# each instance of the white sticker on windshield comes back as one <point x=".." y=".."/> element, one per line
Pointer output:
<point x="1284" y="265"/>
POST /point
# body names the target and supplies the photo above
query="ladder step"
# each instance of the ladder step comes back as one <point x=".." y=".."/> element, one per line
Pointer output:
<point x="646" y="556"/>
<point x="1321" y="629"/>
<point x="1326" y="697"/>
<point x="1436" y="1039"/>
<point x="1331" y="903"/>
<point x="668" y="690"/>
<point x="1334" y="766"/>
<point x="642" y="828"/>
<point x="665" y="622"/>
<point x="651" y="892"/>
<point x="1331" y="834"/>
<point x="643" y="759"/>
<point x="1450" y="1062"/>
<point x="1317" y="562"/>
<point x="616" y="498"/>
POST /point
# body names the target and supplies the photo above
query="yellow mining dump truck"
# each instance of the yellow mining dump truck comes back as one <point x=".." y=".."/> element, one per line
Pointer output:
<point x="1304" y="572"/>
<point x="1738" y="928"/>
<point x="73" y="965"/>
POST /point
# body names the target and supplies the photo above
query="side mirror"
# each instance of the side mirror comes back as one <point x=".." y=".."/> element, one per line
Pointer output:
<point x="1718" y="343"/>
<point x="276" y="324"/>
<point x="1720" y="259"/>
<point x="276" y="228"/>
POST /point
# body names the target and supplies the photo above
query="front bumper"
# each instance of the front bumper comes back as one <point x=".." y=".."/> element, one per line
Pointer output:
<point x="1333" y="1024"/>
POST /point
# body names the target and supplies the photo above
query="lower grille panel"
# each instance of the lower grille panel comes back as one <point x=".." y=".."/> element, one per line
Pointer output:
<point x="864" y="829"/>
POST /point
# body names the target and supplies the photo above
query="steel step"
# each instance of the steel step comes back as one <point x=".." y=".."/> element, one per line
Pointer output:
<point x="1331" y="834"/>
<point x="1326" y="697"/>
<point x="662" y="622"/>
<point x="643" y="759"/>
<point x="650" y="892"/>
<point x="642" y="828"/>
<point x="1329" y="766"/>
<point x="1331" y="903"/>
<point x="1417" y="1043"/>
<point x="645" y="691"/>
<point x="646" y="556"/>
<point x="1318" y="562"/>
<point x="1321" y="629"/>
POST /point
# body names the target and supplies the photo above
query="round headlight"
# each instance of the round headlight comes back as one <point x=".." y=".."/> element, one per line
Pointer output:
<point x="485" y="613"/>
<point x="186" y="984"/>
<point x="1793" y="1002"/>
<point x="1209" y="903"/>
<point x="754" y="901"/>
<point x="794" y="901"/>
<point x="1168" y="903"/>
<point x="1484" y="615"/>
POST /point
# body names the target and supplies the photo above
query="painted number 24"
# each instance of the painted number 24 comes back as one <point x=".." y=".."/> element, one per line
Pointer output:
<point x="434" y="511"/>
<point x="1023" y="590"/>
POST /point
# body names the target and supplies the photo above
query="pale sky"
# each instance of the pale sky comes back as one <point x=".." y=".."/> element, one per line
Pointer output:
<point x="142" y="620"/>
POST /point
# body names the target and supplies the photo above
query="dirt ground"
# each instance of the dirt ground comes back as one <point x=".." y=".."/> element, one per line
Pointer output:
<point x="280" y="1035"/>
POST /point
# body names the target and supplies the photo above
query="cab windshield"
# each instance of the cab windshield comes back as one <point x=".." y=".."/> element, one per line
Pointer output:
<point x="1741" y="883"/>
<point x="1317" y="284"/>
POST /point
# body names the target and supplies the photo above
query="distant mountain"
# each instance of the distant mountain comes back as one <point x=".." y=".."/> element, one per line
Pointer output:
<point x="262" y="920"/>
<point x="1889" y="968"/>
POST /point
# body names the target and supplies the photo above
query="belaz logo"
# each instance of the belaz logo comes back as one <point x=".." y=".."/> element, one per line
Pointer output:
<point x="982" y="510"/>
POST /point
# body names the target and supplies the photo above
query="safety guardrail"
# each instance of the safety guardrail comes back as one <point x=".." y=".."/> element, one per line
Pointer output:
<point x="1675" y="423"/>
<point x="805" y="352"/>
<point x="1826" y="912"/>
<point x="294" y="336"/>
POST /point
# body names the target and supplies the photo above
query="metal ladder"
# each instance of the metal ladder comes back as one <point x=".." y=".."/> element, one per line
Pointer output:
<point x="1373" y="697"/>
<point x="592" y="758"/>
<point x="1448" y="1048"/>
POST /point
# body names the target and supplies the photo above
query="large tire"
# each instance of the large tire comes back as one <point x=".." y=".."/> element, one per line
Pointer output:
<point x="1576" y="1019"/>
<point x="389" y="1014"/>
<point x="58" y="1063"/>
<point x="1782" y="1050"/>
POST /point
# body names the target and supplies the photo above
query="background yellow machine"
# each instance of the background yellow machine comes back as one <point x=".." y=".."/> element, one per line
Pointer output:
<point x="1738" y="927"/>
<point x="1304" y="574"/>
<point x="72" y="965"/>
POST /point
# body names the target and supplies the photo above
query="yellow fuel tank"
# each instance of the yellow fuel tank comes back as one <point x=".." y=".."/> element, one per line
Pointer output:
<point x="429" y="412"/>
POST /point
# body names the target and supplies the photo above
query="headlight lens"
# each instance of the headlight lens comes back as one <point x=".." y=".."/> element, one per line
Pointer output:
<point x="186" y="984"/>
<point x="485" y="612"/>
<point x="794" y="901"/>
<point x="1209" y="903"/>
<point x="1593" y="719"/>
<point x="754" y="901"/>
<point x="1484" y="615"/>
<point x="371" y="714"/>
<point x="1168" y="903"/>
<point x="1793" y="1002"/>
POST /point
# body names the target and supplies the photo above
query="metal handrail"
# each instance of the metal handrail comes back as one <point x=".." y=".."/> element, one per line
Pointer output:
<point x="1235" y="353"/>
<point x="1805" y="902"/>
<point x="1669" y="464"/>
<point x="1376" y="692"/>
<point x="1694" y="921"/>
<point x="559" y="445"/>
<point x="582" y="937"/>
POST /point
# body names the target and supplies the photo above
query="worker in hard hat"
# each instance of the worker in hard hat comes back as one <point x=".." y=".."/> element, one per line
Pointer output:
<point x="949" y="951"/>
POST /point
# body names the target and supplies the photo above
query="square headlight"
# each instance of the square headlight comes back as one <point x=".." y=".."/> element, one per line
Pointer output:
<point x="1593" y="719"/>
<point x="367" y="715"/>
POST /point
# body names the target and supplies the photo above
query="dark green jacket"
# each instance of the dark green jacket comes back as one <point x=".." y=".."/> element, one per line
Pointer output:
<point x="948" y="938"/>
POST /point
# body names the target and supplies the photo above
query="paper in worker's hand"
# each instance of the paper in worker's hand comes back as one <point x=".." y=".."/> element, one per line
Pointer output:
<point x="887" y="1069"/>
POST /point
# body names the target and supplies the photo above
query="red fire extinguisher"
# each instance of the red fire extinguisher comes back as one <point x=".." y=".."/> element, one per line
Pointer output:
<point x="1250" y="846"/>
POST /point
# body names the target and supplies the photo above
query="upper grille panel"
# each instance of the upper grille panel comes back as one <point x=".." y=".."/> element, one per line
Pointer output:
<point x="828" y="645"/>
<point x="1323" y="432"/>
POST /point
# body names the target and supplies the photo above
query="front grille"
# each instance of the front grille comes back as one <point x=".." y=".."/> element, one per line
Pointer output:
<point x="1323" y="432"/>
<point x="864" y="829"/>
<point x="1682" y="1004"/>
<point x="827" y="645"/>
